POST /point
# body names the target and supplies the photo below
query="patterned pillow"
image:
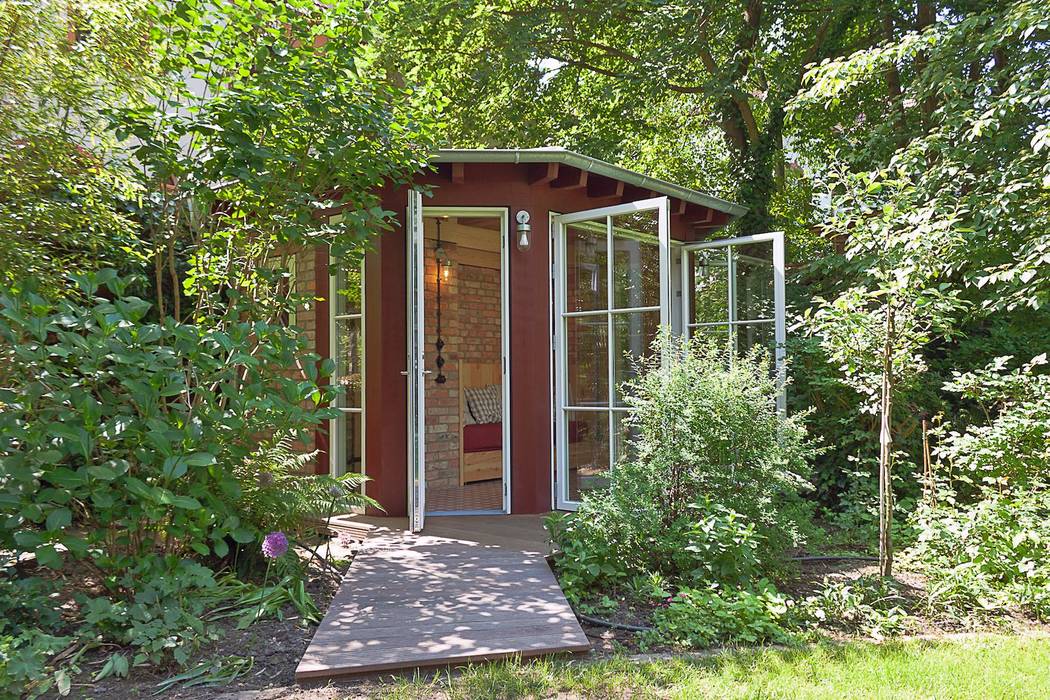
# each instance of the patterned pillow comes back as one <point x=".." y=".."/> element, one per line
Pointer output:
<point x="485" y="403"/>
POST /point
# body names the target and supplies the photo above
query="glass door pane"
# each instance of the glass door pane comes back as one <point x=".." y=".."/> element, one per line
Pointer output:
<point x="613" y="293"/>
<point x="736" y="295"/>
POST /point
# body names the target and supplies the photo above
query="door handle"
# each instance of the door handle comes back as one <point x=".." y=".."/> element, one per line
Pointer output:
<point x="404" y="372"/>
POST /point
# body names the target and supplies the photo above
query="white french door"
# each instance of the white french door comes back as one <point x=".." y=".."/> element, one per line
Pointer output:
<point x="613" y="294"/>
<point x="415" y="370"/>
<point x="733" y="290"/>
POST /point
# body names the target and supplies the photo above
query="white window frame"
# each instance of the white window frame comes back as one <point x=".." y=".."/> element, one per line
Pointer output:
<point x="337" y="426"/>
<point x="561" y="406"/>
<point x="778" y="321"/>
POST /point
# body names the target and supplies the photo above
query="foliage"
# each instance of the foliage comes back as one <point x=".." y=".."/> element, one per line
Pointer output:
<point x="974" y="142"/>
<point x="608" y="542"/>
<point x="30" y="636"/>
<point x="220" y="671"/>
<point x="161" y="413"/>
<point x="704" y="84"/>
<point x="701" y="617"/>
<point x="65" y="203"/>
<point x="276" y="494"/>
<point x="941" y="128"/>
<point x="705" y="493"/>
<point x="869" y="604"/>
<point x="1009" y="450"/>
<point x="24" y="659"/>
<point x="988" y="556"/>
<point x="291" y="120"/>
<point x="985" y="525"/>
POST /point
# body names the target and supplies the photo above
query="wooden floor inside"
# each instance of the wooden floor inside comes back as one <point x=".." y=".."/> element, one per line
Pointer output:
<point x="467" y="588"/>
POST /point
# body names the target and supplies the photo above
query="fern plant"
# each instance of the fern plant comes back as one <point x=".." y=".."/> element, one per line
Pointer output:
<point x="279" y="493"/>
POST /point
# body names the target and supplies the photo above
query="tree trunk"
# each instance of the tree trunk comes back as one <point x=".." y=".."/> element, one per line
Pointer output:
<point x="758" y="174"/>
<point x="886" y="451"/>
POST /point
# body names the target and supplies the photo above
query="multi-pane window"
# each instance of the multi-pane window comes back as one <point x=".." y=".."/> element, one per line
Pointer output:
<point x="610" y="318"/>
<point x="731" y="295"/>
<point x="348" y="350"/>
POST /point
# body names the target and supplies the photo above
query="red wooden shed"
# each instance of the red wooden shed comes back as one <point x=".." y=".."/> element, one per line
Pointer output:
<point x="483" y="342"/>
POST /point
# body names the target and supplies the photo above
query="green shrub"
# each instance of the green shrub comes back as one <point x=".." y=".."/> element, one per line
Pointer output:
<point x="1010" y="449"/>
<point x="604" y="545"/>
<point x="701" y="617"/>
<point x="120" y="438"/>
<point x="988" y="556"/>
<point x="868" y="604"/>
<point x="984" y="535"/>
<point x="708" y="491"/>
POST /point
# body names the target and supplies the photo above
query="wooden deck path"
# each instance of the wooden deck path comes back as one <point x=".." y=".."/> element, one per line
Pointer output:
<point x="410" y="600"/>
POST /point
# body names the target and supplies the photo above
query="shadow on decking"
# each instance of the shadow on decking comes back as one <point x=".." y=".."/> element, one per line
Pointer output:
<point x="414" y="600"/>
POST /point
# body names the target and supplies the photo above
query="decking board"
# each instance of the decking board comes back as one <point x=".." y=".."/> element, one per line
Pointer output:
<point x="410" y="601"/>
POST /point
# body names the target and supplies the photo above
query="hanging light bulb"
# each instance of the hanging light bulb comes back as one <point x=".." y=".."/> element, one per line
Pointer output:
<point x="446" y="269"/>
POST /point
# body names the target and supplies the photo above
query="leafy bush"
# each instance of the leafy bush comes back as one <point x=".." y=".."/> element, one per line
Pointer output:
<point x="700" y="617"/>
<point x="1010" y="449"/>
<point x="988" y="556"/>
<point x="705" y="493"/>
<point x="985" y="534"/>
<point x="869" y="604"/>
<point x="30" y="636"/>
<point x="130" y="447"/>
<point x="122" y="438"/>
<point x="604" y="548"/>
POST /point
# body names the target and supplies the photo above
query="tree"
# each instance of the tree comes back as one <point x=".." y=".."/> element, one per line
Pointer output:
<point x="957" y="218"/>
<point x="607" y="77"/>
<point x="898" y="302"/>
<point x="63" y="203"/>
<point x="287" y="119"/>
<point x="206" y="140"/>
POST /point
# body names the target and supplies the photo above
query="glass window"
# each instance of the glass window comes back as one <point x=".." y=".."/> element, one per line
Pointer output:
<point x="611" y="318"/>
<point x="348" y="351"/>
<point x="732" y="297"/>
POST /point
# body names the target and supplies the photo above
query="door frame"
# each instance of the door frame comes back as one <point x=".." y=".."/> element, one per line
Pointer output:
<point x="558" y="222"/>
<point x="503" y="215"/>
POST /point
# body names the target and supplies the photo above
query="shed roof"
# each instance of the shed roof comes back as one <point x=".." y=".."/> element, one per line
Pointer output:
<point x="588" y="164"/>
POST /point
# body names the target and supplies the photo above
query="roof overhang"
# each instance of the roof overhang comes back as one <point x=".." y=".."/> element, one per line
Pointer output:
<point x="587" y="164"/>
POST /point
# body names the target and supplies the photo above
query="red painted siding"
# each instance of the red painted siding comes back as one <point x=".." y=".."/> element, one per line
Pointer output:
<point x="483" y="185"/>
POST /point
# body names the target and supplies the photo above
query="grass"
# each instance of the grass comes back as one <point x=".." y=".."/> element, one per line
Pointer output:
<point x="988" y="666"/>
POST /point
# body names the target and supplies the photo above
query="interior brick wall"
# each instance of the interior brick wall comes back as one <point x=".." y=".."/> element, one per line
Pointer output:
<point x="470" y="324"/>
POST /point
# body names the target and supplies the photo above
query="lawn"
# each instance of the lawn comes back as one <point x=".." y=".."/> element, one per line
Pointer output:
<point x="986" y="666"/>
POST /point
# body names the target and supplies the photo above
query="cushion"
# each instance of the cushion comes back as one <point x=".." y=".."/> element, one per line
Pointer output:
<point x="485" y="403"/>
<point x="483" y="437"/>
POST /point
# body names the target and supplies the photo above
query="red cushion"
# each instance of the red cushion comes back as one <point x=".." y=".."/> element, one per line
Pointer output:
<point x="482" y="437"/>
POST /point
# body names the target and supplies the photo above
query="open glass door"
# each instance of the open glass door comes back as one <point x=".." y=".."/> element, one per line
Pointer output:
<point x="734" y="291"/>
<point x="414" y="367"/>
<point x="612" y="296"/>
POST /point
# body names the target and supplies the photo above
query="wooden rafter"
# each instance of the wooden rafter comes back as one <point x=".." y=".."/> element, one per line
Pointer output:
<point x="570" y="179"/>
<point x="542" y="173"/>
<point x="602" y="187"/>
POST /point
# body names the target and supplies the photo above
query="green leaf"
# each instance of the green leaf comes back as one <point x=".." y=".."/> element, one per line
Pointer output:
<point x="59" y="518"/>
<point x="47" y="555"/>
<point x="185" y="502"/>
<point x="242" y="535"/>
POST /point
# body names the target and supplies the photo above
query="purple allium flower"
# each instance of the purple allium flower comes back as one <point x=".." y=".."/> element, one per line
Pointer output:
<point x="274" y="545"/>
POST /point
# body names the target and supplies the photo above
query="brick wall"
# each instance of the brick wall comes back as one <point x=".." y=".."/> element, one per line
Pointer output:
<point x="470" y="324"/>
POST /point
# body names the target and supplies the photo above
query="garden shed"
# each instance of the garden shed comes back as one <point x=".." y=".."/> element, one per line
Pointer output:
<point x="483" y="340"/>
